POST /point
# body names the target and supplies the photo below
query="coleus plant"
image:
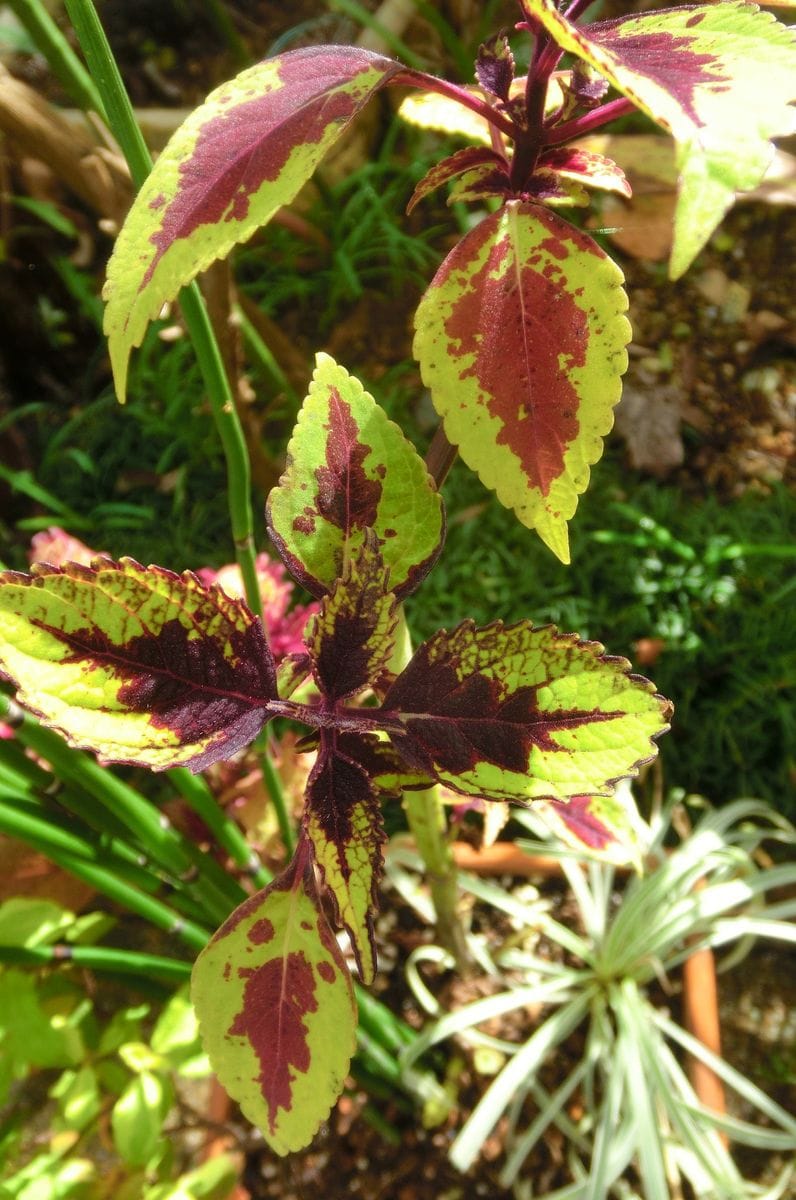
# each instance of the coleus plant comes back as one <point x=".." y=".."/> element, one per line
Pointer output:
<point x="145" y="666"/>
<point x="521" y="335"/>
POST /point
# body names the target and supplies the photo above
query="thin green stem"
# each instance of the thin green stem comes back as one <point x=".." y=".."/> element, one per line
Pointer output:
<point x="277" y="794"/>
<point x="98" y="958"/>
<point x="67" y="851"/>
<point x="196" y="793"/>
<point x="125" y="129"/>
<point x="425" y="814"/>
<point x="63" y="61"/>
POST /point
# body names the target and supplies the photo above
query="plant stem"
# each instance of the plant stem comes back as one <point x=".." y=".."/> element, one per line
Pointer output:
<point x="98" y="958"/>
<point x="440" y="457"/>
<point x="442" y="87"/>
<point x="277" y="794"/>
<point x="425" y="814"/>
<point x="63" y="61"/>
<point x="196" y="793"/>
<point x="584" y="124"/>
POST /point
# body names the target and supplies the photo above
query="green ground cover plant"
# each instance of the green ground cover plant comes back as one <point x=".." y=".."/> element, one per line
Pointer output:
<point x="149" y="668"/>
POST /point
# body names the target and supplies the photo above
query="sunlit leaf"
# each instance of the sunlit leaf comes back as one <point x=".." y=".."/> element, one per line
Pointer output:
<point x="719" y="77"/>
<point x="276" y="1008"/>
<point x="352" y="637"/>
<point x="343" y="822"/>
<point x="239" y="157"/>
<point x="521" y="338"/>
<point x="514" y="712"/>
<point x="476" y="162"/>
<point x="349" y="469"/>
<point x="136" y="663"/>
<point x="137" y="1118"/>
<point x="583" y="166"/>
<point x="602" y="825"/>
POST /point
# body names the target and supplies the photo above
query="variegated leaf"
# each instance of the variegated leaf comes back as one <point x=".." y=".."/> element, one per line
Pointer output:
<point x="239" y="157"/>
<point x="521" y="713"/>
<point x="601" y="825"/>
<point x="476" y="161"/>
<point x="352" y="637"/>
<point x="349" y="469"/>
<point x="583" y="166"/>
<point x="276" y="1008"/>
<point x="343" y="822"/>
<point x="385" y="768"/>
<point x="136" y="663"/>
<point x="719" y="77"/>
<point x="494" y="66"/>
<point x="521" y="338"/>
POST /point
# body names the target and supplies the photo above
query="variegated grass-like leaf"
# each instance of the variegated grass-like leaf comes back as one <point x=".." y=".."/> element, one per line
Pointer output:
<point x="518" y="713"/>
<point x="521" y="338"/>
<point x="239" y="157"/>
<point x="136" y="663"/>
<point x="276" y="1008"/>
<point x="349" y="469"/>
<point x="719" y="77"/>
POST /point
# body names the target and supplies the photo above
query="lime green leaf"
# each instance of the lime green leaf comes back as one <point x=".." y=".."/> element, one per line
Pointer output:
<point x="78" y="1096"/>
<point x="138" y="664"/>
<point x="343" y="822"/>
<point x="518" y="713"/>
<point x="719" y="77"/>
<point x="137" y="1119"/>
<point x="521" y="338"/>
<point x="239" y="157"/>
<point x="276" y="1008"/>
<point x="26" y="921"/>
<point x="31" y="1034"/>
<point x="349" y="469"/>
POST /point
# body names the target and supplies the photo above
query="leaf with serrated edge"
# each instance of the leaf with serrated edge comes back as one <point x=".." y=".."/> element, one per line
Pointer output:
<point x="518" y="713"/>
<point x="136" y="663"/>
<point x="476" y="159"/>
<point x="239" y="157"/>
<point x="349" y="468"/>
<point x="583" y="166"/>
<point x="719" y="77"/>
<point x="385" y="768"/>
<point x="276" y="1008"/>
<point x="352" y="637"/>
<point x="521" y="339"/>
<point x="343" y="822"/>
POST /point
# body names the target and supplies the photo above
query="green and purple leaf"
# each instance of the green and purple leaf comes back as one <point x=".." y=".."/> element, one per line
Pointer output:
<point x="521" y="339"/>
<point x="719" y="77"/>
<point x="476" y="162"/>
<point x="343" y="822"/>
<point x="603" y="825"/>
<point x="585" y="167"/>
<point x="136" y="663"/>
<point x="494" y="66"/>
<point x="518" y="713"/>
<point x="239" y="157"/>
<point x="350" y="469"/>
<point x="352" y="637"/>
<point x="276" y="1008"/>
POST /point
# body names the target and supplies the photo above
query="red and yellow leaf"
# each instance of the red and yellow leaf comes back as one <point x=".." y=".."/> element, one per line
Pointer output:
<point x="352" y="637"/>
<point x="343" y="822"/>
<point x="136" y="663"/>
<point x="518" y="713"/>
<point x="276" y="1008"/>
<point x="477" y="162"/>
<point x="601" y="825"/>
<point x="521" y="338"/>
<point x="350" y="469"/>
<point x="586" y="167"/>
<point x="239" y="157"/>
<point x="719" y="77"/>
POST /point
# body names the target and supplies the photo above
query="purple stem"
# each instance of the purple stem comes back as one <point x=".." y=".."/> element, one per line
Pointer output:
<point x="579" y="126"/>
<point x="576" y="8"/>
<point x="431" y="83"/>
